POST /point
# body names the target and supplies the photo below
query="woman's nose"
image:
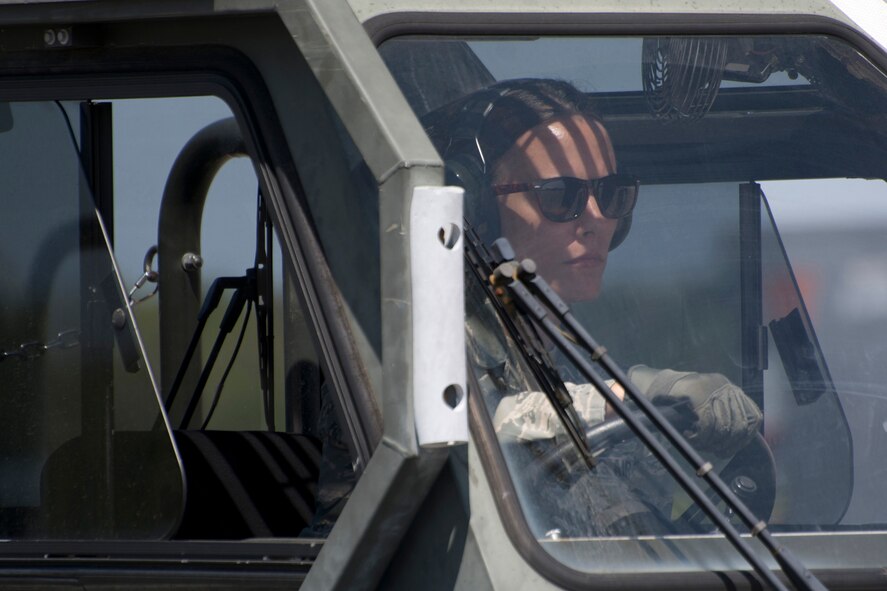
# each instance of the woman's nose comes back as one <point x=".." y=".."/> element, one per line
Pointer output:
<point x="592" y="212"/>
<point x="593" y="223"/>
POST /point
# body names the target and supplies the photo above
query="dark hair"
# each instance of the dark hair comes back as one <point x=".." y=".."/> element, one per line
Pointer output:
<point x="473" y="133"/>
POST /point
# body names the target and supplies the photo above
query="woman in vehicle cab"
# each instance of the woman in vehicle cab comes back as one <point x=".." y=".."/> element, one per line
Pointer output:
<point x="538" y="167"/>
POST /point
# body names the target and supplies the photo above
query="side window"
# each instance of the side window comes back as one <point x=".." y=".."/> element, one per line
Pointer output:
<point x="223" y="320"/>
<point x="73" y="467"/>
<point x="225" y="238"/>
<point x="160" y="365"/>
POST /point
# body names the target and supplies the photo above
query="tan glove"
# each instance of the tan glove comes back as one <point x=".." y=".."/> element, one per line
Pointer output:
<point x="727" y="419"/>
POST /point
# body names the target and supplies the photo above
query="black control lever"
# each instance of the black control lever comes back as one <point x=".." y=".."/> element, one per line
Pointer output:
<point x="210" y="303"/>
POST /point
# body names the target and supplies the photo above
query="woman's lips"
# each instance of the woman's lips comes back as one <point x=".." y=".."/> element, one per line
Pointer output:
<point x="585" y="261"/>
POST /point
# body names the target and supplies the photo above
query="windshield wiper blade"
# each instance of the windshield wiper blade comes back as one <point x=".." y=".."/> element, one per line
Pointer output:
<point x="526" y="287"/>
<point x="484" y="263"/>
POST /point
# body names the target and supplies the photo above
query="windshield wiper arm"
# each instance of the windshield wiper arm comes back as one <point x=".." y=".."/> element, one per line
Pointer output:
<point x="526" y="288"/>
<point x="484" y="263"/>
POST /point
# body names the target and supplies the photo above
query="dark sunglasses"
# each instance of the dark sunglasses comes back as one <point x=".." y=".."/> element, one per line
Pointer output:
<point x="563" y="199"/>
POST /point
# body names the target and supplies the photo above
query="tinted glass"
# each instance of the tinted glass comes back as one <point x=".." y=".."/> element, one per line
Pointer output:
<point x="72" y="466"/>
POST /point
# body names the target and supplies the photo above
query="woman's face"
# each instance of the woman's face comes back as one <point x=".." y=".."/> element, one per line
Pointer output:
<point x="571" y="255"/>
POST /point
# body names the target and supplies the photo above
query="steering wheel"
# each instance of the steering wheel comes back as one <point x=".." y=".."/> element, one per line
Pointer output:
<point x="750" y="473"/>
<point x="605" y="435"/>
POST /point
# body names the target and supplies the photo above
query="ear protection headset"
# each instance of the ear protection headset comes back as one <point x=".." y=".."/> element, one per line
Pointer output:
<point x="467" y="167"/>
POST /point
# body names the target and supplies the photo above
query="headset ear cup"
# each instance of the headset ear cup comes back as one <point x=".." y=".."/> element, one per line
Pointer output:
<point x="621" y="233"/>
<point x="481" y="209"/>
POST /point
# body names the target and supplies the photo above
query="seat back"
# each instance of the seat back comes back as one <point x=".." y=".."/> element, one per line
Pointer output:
<point x="239" y="484"/>
<point x="247" y="484"/>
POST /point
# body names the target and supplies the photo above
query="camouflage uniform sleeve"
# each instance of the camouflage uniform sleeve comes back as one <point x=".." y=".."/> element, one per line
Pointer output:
<point x="529" y="416"/>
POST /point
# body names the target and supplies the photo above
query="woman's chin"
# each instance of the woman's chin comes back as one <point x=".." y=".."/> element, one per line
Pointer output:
<point x="578" y="291"/>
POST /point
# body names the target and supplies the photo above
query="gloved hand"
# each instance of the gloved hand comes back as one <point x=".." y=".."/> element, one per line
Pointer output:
<point x="727" y="419"/>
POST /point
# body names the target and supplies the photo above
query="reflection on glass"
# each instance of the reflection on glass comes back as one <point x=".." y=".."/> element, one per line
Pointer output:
<point x="837" y="247"/>
<point x="806" y="426"/>
<point x="65" y="469"/>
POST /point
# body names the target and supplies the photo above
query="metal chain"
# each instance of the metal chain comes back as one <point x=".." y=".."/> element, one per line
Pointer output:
<point x="149" y="275"/>
<point x="66" y="339"/>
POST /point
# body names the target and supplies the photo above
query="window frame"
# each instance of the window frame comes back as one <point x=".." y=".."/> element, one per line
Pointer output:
<point x="228" y="74"/>
<point x="384" y="27"/>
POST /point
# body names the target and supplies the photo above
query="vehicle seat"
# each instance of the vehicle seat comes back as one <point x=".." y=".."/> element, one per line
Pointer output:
<point x="239" y="484"/>
<point x="247" y="484"/>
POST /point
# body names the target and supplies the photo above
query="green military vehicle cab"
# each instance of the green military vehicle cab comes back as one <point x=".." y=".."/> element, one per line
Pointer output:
<point x="234" y="299"/>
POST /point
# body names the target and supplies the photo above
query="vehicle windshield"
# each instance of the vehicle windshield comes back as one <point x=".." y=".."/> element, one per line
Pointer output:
<point x="714" y="209"/>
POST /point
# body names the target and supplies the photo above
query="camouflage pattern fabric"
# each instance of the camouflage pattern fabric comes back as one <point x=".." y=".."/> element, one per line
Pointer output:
<point x="529" y="416"/>
<point x="727" y="419"/>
